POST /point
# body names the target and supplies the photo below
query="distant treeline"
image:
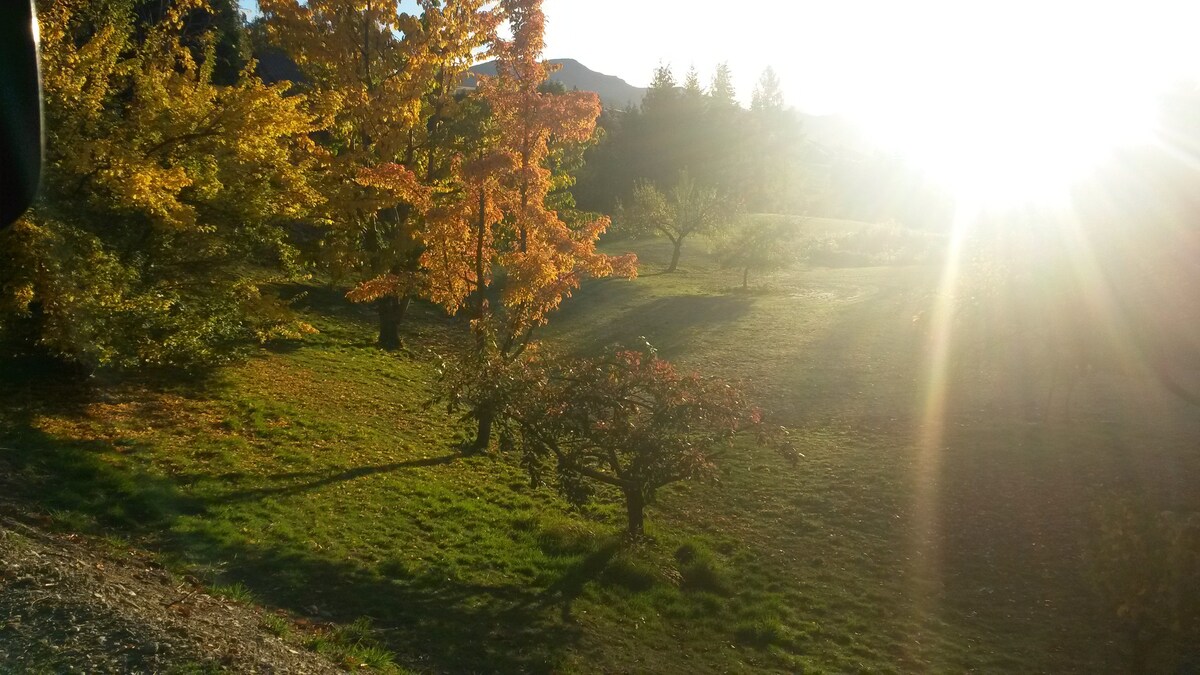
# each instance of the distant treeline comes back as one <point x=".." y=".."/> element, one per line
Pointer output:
<point x="760" y="156"/>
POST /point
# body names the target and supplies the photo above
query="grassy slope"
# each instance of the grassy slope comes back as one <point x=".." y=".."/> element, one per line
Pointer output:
<point x="317" y="476"/>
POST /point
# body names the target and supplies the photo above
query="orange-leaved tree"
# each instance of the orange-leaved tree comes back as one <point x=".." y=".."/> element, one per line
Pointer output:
<point x="393" y="76"/>
<point x="495" y="248"/>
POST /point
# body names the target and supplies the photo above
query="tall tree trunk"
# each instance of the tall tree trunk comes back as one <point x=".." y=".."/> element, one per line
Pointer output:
<point x="635" y="507"/>
<point x="391" y="311"/>
<point x="675" y="255"/>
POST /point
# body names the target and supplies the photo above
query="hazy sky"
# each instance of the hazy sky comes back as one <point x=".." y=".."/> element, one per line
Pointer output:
<point x="849" y="54"/>
<point x="857" y="55"/>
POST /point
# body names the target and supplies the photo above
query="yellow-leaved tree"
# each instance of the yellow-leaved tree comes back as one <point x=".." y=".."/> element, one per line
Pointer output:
<point x="395" y="76"/>
<point x="166" y="196"/>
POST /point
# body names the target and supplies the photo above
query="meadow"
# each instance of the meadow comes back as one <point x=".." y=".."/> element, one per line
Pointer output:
<point x="321" y="478"/>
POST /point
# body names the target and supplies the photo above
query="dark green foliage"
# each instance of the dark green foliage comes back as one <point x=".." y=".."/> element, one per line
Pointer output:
<point x="755" y="156"/>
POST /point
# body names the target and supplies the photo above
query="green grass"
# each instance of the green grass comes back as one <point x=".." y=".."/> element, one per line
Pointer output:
<point x="236" y="592"/>
<point x="318" y="479"/>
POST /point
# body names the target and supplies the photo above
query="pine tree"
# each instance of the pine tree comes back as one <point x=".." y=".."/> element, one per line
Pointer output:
<point x="768" y="94"/>
<point x="721" y="92"/>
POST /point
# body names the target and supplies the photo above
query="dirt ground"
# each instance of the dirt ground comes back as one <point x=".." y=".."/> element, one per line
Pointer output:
<point x="73" y="605"/>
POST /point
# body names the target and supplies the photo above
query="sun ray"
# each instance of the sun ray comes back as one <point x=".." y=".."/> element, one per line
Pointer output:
<point x="925" y="546"/>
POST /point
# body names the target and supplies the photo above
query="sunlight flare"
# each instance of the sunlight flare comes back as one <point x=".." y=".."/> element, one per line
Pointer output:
<point x="924" y="547"/>
<point x="1015" y="106"/>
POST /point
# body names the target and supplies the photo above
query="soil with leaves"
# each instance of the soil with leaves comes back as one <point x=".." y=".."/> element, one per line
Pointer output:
<point x="70" y="604"/>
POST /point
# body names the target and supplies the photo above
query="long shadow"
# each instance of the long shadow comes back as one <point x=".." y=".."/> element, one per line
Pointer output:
<point x="69" y="476"/>
<point x="430" y="618"/>
<point x="567" y="589"/>
<point x="431" y="621"/>
<point x="671" y="324"/>
<point x="329" y="479"/>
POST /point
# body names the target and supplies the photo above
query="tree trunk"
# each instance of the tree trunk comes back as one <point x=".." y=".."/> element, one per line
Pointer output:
<point x="635" y="507"/>
<point x="745" y="278"/>
<point x="391" y="311"/>
<point x="483" y="435"/>
<point x="675" y="256"/>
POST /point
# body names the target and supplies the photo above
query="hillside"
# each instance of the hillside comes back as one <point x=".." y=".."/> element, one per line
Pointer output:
<point x="317" y="481"/>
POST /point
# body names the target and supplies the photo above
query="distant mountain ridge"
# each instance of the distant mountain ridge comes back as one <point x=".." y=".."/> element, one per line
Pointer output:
<point x="614" y="92"/>
<point x="617" y="94"/>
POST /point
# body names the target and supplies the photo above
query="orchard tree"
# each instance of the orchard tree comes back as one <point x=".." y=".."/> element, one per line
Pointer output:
<point x="687" y="209"/>
<point x="494" y="247"/>
<point x="628" y="421"/>
<point x="164" y="198"/>
<point x="759" y="244"/>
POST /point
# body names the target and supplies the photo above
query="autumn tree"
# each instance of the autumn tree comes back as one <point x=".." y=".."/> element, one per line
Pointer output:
<point x="685" y="210"/>
<point x="394" y="76"/>
<point x="164" y="198"/>
<point x="627" y="421"/>
<point x="494" y="248"/>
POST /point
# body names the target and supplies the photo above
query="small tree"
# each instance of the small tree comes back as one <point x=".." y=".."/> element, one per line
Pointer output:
<point x="685" y="210"/>
<point x="166" y="194"/>
<point x="760" y="244"/>
<point x="627" y="420"/>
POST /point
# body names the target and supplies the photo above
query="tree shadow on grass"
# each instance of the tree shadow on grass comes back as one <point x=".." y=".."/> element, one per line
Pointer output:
<point x="567" y="589"/>
<point x="425" y="613"/>
<point x="320" y="480"/>
<point x="424" y="610"/>
<point x="69" y="477"/>
<point x="430" y="619"/>
<point x="670" y="324"/>
<point x="357" y="323"/>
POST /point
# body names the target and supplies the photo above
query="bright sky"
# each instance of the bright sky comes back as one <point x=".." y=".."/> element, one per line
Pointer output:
<point x="952" y="83"/>
<point x="1019" y="95"/>
<point x="846" y="55"/>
